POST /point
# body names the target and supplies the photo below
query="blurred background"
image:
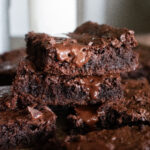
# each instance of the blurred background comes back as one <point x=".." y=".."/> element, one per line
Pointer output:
<point x="17" y="17"/>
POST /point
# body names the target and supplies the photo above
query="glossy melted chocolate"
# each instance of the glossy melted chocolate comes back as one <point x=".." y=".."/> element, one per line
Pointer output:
<point x="88" y="115"/>
<point x="92" y="85"/>
<point x="70" y="51"/>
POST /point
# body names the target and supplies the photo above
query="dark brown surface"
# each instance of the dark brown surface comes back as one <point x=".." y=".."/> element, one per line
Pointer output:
<point x="8" y="65"/>
<point x="125" y="138"/>
<point x="93" y="50"/>
<point x="134" y="109"/>
<point x="36" y="87"/>
<point x="144" y="60"/>
<point x="26" y="127"/>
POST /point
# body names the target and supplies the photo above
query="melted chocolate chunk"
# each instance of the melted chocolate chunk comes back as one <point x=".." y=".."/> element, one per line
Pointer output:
<point x="92" y="85"/>
<point x="77" y="53"/>
<point x="88" y="115"/>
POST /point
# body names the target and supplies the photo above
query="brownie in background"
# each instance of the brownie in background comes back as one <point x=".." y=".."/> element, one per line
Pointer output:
<point x="8" y="65"/>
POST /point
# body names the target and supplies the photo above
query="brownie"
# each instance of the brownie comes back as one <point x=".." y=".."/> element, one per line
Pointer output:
<point x="91" y="49"/>
<point x="124" y="138"/>
<point x="133" y="109"/>
<point x="8" y="65"/>
<point x="32" y="86"/>
<point x="26" y="127"/>
<point x="143" y="69"/>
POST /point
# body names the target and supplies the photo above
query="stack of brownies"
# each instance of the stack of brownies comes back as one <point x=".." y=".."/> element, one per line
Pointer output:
<point x="76" y="79"/>
<point x="80" y="70"/>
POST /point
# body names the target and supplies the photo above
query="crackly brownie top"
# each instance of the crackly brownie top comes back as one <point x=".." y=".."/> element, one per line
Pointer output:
<point x="122" y="138"/>
<point x="9" y="60"/>
<point x="78" y="47"/>
<point x="29" y="115"/>
<point x="104" y="35"/>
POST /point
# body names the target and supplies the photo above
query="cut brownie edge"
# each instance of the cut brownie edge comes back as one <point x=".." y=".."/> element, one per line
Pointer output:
<point x="32" y="86"/>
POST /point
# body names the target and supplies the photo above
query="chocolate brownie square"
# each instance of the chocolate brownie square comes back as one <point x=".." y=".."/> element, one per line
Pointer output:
<point x="8" y="65"/>
<point x="91" y="49"/>
<point x="26" y="127"/>
<point x="32" y="87"/>
<point x="133" y="109"/>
